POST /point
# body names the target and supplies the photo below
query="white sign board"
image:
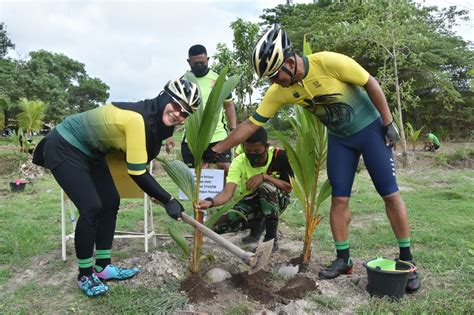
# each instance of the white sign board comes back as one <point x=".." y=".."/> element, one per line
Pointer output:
<point x="212" y="182"/>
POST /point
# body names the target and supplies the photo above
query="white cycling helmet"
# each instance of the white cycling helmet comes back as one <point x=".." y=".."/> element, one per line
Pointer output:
<point x="270" y="52"/>
<point x="184" y="93"/>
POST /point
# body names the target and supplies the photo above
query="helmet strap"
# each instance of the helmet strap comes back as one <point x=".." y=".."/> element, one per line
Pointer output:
<point x="293" y="79"/>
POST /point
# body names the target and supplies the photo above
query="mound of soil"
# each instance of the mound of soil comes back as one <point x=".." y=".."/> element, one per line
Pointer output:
<point x="297" y="287"/>
<point x="196" y="289"/>
<point x="259" y="287"/>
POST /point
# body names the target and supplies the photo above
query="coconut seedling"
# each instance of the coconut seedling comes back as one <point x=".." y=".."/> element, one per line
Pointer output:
<point x="413" y="134"/>
<point x="307" y="157"/>
<point x="200" y="128"/>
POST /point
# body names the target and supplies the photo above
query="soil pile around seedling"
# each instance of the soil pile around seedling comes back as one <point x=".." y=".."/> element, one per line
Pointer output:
<point x="297" y="287"/>
<point x="259" y="287"/>
<point x="196" y="289"/>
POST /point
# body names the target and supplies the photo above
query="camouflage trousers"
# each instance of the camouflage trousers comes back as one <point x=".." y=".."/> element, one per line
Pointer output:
<point x="267" y="201"/>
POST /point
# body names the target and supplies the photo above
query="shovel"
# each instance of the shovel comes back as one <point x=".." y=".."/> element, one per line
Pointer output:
<point x="255" y="261"/>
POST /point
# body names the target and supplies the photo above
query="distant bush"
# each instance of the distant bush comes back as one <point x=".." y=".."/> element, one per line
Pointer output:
<point x="460" y="158"/>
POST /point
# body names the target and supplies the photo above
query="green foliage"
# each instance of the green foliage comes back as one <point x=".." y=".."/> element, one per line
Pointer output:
<point x="141" y="300"/>
<point x="200" y="128"/>
<point x="4" y="105"/>
<point x="460" y="157"/>
<point x="31" y="227"/>
<point x="307" y="158"/>
<point x="180" y="240"/>
<point x="56" y="79"/>
<point x="201" y="125"/>
<point x="31" y="116"/>
<point x="413" y="135"/>
<point x="20" y="140"/>
<point x="240" y="309"/>
<point x="181" y="176"/>
<point x="433" y="65"/>
<point x="5" y="42"/>
<point x="238" y="62"/>
<point x="216" y="213"/>
<point x="328" y="302"/>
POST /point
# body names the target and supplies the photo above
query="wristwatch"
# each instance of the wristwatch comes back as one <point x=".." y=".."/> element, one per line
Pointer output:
<point x="211" y="200"/>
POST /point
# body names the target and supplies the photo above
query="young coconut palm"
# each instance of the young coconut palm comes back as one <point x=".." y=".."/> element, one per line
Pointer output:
<point x="307" y="158"/>
<point x="31" y="116"/>
<point x="413" y="134"/>
<point x="200" y="128"/>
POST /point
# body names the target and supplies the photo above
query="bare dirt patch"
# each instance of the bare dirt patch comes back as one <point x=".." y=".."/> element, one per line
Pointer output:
<point x="196" y="289"/>
<point x="266" y="292"/>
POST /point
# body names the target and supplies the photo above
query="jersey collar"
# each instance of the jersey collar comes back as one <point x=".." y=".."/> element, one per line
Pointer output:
<point x="306" y="66"/>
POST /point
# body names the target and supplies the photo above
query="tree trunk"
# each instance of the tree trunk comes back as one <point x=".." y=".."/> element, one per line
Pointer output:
<point x="198" y="215"/>
<point x="307" y="243"/>
<point x="399" y="106"/>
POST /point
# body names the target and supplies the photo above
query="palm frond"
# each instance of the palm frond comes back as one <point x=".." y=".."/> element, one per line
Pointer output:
<point x="31" y="115"/>
<point x="201" y="125"/>
<point x="181" y="176"/>
<point x="306" y="47"/>
<point x="324" y="193"/>
<point x="215" y="215"/>
<point x="180" y="240"/>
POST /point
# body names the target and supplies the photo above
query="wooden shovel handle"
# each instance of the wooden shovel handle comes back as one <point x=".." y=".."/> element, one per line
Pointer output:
<point x="231" y="247"/>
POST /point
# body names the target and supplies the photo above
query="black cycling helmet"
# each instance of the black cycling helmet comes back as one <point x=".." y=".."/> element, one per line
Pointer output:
<point x="184" y="93"/>
<point x="270" y="52"/>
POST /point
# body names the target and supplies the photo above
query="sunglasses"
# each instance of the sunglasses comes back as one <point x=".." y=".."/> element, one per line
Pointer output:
<point x="182" y="111"/>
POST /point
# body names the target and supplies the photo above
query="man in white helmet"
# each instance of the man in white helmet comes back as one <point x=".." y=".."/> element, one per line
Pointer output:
<point x="350" y="102"/>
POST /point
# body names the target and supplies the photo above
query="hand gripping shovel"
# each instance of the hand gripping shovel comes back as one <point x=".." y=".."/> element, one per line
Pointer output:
<point x="255" y="261"/>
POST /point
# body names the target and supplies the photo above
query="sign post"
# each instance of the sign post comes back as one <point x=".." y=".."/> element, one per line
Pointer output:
<point x="212" y="182"/>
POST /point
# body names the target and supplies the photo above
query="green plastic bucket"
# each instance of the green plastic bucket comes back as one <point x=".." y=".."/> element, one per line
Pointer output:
<point x="385" y="282"/>
<point x="382" y="263"/>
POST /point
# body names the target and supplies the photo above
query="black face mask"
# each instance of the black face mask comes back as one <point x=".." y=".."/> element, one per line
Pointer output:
<point x="255" y="158"/>
<point x="199" y="69"/>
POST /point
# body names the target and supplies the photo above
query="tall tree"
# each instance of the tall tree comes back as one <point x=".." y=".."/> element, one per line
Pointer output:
<point x="432" y="64"/>
<point x="238" y="62"/>
<point x="88" y="94"/>
<point x="55" y="79"/>
<point x="5" y="42"/>
<point x="4" y="105"/>
<point x="62" y="83"/>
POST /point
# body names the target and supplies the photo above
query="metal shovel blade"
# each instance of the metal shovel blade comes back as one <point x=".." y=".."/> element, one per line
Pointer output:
<point x="261" y="257"/>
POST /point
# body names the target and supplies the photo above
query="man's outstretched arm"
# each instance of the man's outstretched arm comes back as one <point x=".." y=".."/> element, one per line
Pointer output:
<point x="239" y="135"/>
<point x="378" y="98"/>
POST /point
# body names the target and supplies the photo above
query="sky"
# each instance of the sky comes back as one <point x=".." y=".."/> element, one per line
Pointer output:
<point x="135" y="47"/>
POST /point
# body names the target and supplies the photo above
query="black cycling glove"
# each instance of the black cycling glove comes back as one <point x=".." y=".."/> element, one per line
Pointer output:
<point x="390" y="132"/>
<point x="174" y="208"/>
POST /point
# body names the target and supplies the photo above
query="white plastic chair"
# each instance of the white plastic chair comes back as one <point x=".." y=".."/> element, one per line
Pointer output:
<point x="126" y="188"/>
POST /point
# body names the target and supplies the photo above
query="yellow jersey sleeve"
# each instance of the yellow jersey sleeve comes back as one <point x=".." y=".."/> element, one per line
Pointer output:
<point x="344" y="68"/>
<point x="136" y="153"/>
<point x="273" y="100"/>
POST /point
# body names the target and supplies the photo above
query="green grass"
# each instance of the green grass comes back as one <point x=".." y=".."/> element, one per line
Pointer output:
<point x="441" y="217"/>
<point x="439" y="202"/>
<point x="140" y="300"/>
<point x="327" y="302"/>
<point x="239" y="309"/>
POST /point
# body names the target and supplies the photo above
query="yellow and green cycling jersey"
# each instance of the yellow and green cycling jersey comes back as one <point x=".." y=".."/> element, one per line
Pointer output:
<point x="240" y="170"/>
<point x="206" y="84"/>
<point x="135" y="129"/>
<point x="332" y="89"/>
